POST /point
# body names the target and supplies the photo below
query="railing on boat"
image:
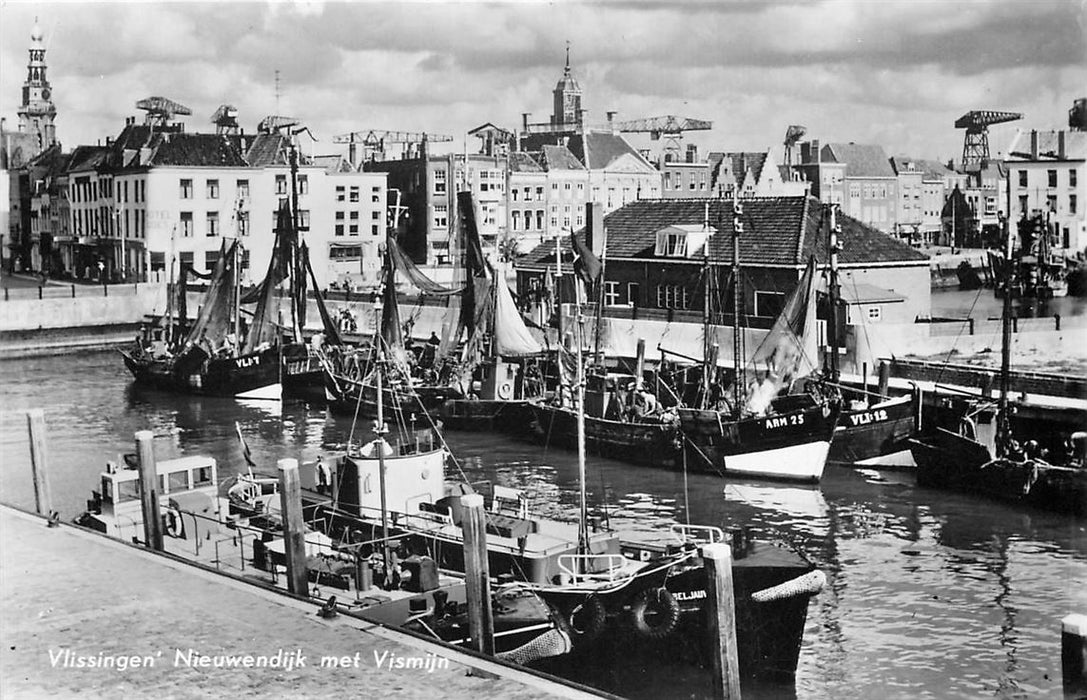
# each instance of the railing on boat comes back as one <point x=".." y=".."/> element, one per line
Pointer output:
<point x="698" y="534"/>
<point x="578" y="568"/>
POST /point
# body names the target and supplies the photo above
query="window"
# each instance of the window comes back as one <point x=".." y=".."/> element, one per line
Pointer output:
<point x="875" y="313"/>
<point x="441" y="216"/>
<point x="1072" y="177"/>
<point x="354" y="193"/>
<point x="186" y="224"/>
<point x="210" y="258"/>
<point x="513" y="195"/>
<point x="341" y="193"/>
<point x="1051" y="203"/>
<point x="375" y="215"/>
<point x="243" y="223"/>
<point x="375" y="230"/>
<point x="769" y="303"/>
<point x="528" y="194"/>
<point x="303" y="219"/>
<point x="671" y="296"/>
<point x="1022" y="178"/>
<point x="539" y="219"/>
<point x="611" y="293"/>
<point x="339" y="223"/>
<point x="671" y="244"/>
<point x="1052" y="177"/>
<point x="243" y="189"/>
<point x="1071" y="204"/>
<point x="439" y="181"/>
<point x="303" y="184"/>
<point x="1023" y="203"/>
<point x="281" y="184"/>
<point x="515" y="220"/>
<point x="213" y="189"/>
<point x="186" y="189"/>
<point x="345" y="252"/>
<point x="539" y="195"/>
<point x="633" y="293"/>
<point x="213" y="223"/>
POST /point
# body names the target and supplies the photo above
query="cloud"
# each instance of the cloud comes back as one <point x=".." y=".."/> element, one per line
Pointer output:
<point x="894" y="70"/>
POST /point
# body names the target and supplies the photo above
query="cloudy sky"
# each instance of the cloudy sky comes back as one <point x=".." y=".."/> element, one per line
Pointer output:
<point x="894" y="72"/>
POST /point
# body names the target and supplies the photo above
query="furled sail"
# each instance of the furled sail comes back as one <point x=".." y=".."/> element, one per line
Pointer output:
<point x="215" y="319"/>
<point x="331" y="330"/>
<point x="263" y="329"/>
<point x="413" y="274"/>
<point x="790" y="350"/>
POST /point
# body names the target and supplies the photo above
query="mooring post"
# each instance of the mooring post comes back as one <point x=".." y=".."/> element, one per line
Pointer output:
<point x="39" y="462"/>
<point x="477" y="573"/>
<point x="639" y="365"/>
<point x="721" y="625"/>
<point x="149" y="490"/>
<point x="1074" y="655"/>
<point x="1057" y="320"/>
<point x="884" y="377"/>
<point x="970" y="320"/>
<point x="294" y="527"/>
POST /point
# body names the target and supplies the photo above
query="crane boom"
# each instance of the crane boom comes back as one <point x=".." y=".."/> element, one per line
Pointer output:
<point x="975" y="145"/>
<point x="377" y="136"/>
<point x="668" y="124"/>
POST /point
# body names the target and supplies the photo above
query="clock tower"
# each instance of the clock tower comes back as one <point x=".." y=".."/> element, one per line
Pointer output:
<point x="37" y="112"/>
<point x="567" y="95"/>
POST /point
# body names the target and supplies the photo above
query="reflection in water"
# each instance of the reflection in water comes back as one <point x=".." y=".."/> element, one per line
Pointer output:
<point x="929" y="594"/>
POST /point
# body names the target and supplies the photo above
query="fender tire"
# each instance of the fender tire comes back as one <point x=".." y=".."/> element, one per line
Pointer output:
<point x="664" y="609"/>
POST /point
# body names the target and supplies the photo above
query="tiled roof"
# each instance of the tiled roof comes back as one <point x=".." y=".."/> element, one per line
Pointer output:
<point x="267" y="149"/>
<point x="777" y="231"/>
<point x="604" y="148"/>
<point x="928" y="169"/>
<point x="559" y="158"/>
<point x="521" y="162"/>
<point x="331" y="163"/>
<point x="198" y="150"/>
<point x="861" y="160"/>
<point x="87" y="157"/>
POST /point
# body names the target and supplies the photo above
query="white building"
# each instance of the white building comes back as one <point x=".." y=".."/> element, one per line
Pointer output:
<point x="1046" y="173"/>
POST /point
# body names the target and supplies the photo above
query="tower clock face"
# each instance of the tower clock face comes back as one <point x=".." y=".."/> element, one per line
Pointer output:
<point x="46" y="93"/>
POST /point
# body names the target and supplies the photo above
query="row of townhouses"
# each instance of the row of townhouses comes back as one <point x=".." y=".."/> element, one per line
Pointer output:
<point x="156" y="193"/>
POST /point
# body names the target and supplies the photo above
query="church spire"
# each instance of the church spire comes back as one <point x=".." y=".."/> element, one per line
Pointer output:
<point x="37" y="112"/>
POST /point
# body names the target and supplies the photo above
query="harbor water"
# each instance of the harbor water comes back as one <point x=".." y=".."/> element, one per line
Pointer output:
<point x="929" y="595"/>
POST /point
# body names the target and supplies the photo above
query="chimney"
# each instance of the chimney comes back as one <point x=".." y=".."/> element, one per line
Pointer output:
<point x="524" y="120"/>
<point x="611" y="120"/>
<point x="581" y="115"/>
<point x="817" y="157"/>
<point x="594" y="229"/>
<point x="1060" y="145"/>
<point x="1033" y="144"/>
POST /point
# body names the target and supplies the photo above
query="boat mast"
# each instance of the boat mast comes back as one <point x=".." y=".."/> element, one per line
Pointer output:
<point x="296" y="330"/>
<point x="835" y="294"/>
<point x="737" y="332"/>
<point x="579" y="392"/>
<point x="1005" y="344"/>
<point x="237" y="297"/>
<point x="707" y="299"/>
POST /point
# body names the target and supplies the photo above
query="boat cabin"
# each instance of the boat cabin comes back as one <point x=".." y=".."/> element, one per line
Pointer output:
<point x="188" y="484"/>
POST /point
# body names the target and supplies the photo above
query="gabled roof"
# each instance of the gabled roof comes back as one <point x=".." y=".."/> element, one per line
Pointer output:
<point x="87" y="157"/>
<point x="604" y="149"/>
<point x="268" y="149"/>
<point x="521" y="162"/>
<point x="198" y="150"/>
<point x="332" y="163"/>
<point x="927" y="169"/>
<point x="559" y="158"/>
<point x="778" y="231"/>
<point x="861" y="160"/>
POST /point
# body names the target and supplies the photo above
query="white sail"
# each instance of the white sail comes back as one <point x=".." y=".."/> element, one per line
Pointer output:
<point x="511" y="336"/>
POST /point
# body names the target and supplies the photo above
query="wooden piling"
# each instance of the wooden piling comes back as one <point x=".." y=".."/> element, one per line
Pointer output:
<point x="149" y="490"/>
<point x="1074" y="655"/>
<point x="39" y="462"/>
<point x="294" y="527"/>
<point x="884" y="378"/>
<point x="477" y="573"/>
<point x="721" y="622"/>
<point x="639" y="365"/>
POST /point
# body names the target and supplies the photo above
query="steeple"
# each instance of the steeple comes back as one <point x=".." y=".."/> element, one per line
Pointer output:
<point x="567" y="97"/>
<point x="37" y="112"/>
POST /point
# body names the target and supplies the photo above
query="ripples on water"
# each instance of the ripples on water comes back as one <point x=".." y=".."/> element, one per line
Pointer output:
<point x="930" y="595"/>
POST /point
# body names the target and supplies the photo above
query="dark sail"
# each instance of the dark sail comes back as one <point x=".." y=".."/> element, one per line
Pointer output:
<point x="263" y="329"/>
<point x="331" y="330"/>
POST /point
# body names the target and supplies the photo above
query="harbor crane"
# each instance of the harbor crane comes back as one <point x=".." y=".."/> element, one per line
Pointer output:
<point x="375" y="141"/>
<point x="975" y="145"/>
<point x="668" y="127"/>
<point x="225" y="120"/>
<point x="792" y="136"/>
<point x="161" y="110"/>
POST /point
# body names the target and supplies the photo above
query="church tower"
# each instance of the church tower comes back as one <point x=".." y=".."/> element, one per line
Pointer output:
<point x="567" y="98"/>
<point x="37" y="112"/>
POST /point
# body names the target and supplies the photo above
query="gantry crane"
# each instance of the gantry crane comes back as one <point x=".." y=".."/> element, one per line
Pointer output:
<point x="669" y="126"/>
<point x="225" y="120"/>
<point x="792" y="135"/>
<point x="374" y="142"/>
<point x="975" y="145"/>
<point x="161" y="110"/>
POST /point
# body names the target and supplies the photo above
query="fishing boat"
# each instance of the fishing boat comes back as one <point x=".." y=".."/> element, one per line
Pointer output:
<point x="981" y="455"/>
<point x="758" y="432"/>
<point x="873" y="429"/>
<point x="497" y="369"/>
<point x="215" y="356"/>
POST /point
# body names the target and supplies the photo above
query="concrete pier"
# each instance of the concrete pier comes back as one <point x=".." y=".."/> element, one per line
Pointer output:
<point x="87" y="616"/>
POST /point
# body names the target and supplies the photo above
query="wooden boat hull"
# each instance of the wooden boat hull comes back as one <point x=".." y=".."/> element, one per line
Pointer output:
<point x="303" y="375"/>
<point x="769" y="634"/>
<point x="650" y="444"/>
<point x="347" y="396"/>
<point x="880" y="431"/>
<point x="484" y="415"/>
<point x="947" y="460"/>
<point x="791" y="444"/>
<point x="252" y="376"/>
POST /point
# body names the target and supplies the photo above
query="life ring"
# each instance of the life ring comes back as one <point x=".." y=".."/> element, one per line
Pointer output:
<point x="175" y="526"/>
<point x="505" y="391"/>
<point x="663" y="613"/>
<point x="587" y="620"/>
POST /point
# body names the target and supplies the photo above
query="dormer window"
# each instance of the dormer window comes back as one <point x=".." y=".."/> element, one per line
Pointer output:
<point x="671" y="243"/>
